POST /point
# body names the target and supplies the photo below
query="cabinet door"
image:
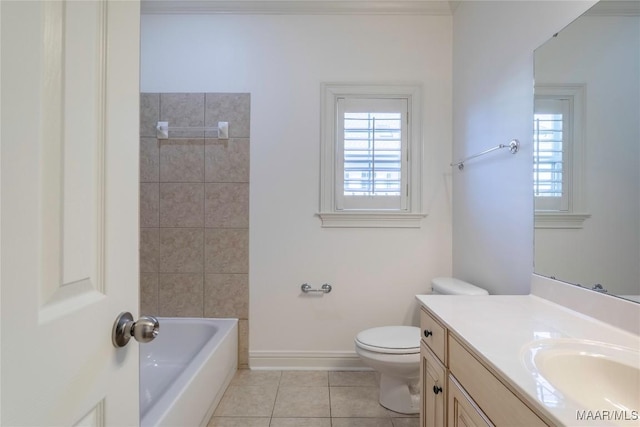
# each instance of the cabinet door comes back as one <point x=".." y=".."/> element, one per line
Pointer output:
<point x="462" y="411"/>
<point x="434" y="390"/>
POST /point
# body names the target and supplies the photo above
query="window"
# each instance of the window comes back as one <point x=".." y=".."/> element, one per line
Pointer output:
<point x="558" y="156"/>
<point x="552" y="154"/>
<point x="371" y="152"/>
<point x="372" y="137"/>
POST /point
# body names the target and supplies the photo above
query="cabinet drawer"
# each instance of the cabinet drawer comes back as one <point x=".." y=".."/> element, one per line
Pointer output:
<point x="434" y="335"/>
<point x="500" y="405"/>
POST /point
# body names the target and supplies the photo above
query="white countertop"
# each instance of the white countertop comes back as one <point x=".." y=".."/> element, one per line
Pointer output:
<point x="500" y="328"/>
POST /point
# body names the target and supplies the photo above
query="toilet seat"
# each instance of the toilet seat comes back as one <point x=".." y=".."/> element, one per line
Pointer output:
<point x="390" y="339"/>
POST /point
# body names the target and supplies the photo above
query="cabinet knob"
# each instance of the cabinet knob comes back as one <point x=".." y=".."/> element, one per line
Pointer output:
<point x="437" y="389"/>
<point x="427" y="333"/>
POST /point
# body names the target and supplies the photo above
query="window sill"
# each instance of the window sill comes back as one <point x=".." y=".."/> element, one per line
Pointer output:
<point x="560" y="219"/>
<point x="374" y="219"/>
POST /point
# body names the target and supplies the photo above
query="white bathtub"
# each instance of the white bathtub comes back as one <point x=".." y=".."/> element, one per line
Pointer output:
<point x="185" y="370"/>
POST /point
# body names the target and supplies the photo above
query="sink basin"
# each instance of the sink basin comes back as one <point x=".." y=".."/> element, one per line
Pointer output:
<point x="597" y="376"/>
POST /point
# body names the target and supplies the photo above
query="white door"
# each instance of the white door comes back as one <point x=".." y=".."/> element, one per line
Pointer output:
<point x="69" y="211"/>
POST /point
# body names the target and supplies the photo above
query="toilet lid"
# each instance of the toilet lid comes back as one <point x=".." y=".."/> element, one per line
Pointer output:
<point x="390" y="339"/>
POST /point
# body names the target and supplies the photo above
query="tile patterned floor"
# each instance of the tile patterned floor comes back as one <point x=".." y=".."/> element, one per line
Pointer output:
<point x="305" y="399"/>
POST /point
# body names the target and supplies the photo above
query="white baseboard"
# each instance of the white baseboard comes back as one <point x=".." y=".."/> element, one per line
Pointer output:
<point x="306" y="360"/>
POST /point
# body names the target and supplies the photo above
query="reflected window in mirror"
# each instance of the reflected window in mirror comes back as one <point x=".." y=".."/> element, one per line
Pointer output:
<point x="559" y="149"/>
<point x="595" y="60"/>
<point x="552" y="154"/>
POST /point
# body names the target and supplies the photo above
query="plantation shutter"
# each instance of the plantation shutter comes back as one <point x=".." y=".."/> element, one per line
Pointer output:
<point x="551" y="168"/>
<point x="372" y="153"/>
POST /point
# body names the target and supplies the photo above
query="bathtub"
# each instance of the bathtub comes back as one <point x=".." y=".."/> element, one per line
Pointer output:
<point x="185" y="370"/>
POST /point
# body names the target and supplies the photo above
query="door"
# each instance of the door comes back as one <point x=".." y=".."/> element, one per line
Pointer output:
<point x="463" y="411"/>
<point x="69" y="211"/>
<point x="434" y="389"/>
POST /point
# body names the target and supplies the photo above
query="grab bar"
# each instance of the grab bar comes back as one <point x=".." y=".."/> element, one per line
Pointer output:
<point x="324" y="289"/>
<point x="513" y="146"/>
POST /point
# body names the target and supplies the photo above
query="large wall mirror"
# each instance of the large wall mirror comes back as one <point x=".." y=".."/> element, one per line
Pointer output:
<point x="587" y="151"/>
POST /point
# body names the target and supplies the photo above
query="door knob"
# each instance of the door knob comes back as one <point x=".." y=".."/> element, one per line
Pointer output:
<point x="143" y="330"/>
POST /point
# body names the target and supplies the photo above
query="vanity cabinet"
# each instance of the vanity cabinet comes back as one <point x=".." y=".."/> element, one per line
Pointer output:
<point x="458" y="390"/>
<point x="434" y="372"/>
<point x="434" y="389"/>
<point x="464" y="412"/>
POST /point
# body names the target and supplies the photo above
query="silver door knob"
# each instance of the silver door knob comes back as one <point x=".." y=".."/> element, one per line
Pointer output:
<point x="143" y="330"/>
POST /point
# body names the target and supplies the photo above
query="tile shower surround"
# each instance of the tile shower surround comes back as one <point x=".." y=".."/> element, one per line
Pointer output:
<point x="194" y="209"/>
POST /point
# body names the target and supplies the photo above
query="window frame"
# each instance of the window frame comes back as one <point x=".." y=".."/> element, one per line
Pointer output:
<point x="330" y="214"/>
<point x="574" y="215"/>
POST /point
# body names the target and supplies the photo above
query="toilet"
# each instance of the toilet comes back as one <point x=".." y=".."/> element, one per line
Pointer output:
<point x="394" y="352"/>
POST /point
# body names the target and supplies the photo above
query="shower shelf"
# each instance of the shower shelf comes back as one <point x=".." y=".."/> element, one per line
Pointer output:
<point x="221" y="131"/>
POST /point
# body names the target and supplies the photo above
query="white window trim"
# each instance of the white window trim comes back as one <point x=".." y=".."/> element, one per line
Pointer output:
<point x="575" y="216"/>
<point x="330" y="216"/>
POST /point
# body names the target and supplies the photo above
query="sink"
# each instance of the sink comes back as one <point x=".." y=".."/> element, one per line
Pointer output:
<point x="597" y="376"/>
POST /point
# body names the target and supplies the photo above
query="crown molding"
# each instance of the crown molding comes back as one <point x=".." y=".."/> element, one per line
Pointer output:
<point x="297" y="7"/>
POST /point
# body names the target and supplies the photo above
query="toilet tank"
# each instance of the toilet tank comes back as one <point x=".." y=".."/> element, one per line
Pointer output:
<point x="453" y="286"/>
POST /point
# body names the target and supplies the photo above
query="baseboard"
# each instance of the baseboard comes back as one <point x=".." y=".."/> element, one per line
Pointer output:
<point x="306" y="360"/>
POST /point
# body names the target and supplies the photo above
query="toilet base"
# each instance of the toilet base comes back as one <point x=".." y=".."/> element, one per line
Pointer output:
<point x="399" y="396"/>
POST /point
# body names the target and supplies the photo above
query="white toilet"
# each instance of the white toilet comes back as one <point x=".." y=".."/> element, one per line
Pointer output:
<point x="394" y="352"/>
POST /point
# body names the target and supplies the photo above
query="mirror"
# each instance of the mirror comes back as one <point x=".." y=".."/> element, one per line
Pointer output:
<point x="587" y="151"/>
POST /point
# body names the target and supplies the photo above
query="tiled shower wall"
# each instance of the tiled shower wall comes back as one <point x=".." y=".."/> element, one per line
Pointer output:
<point x="194" y="209"/>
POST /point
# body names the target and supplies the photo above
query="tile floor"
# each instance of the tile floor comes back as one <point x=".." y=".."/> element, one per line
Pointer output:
<point x="305" y="399"/>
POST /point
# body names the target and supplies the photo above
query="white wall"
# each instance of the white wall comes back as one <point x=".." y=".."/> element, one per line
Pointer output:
<point x="281" y="61"/>
<point x="603" y="53"/>
<point x="493" y="103"/>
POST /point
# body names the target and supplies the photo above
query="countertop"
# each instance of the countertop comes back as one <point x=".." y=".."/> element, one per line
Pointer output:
<point x="502" y="328"/>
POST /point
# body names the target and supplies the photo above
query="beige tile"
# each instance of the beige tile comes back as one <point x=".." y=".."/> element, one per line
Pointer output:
<point x="226" y="295"/>
<point x="149" y="204"/>
<point x="183" y="110"/>
<point x="239" y="422"/>
<point x="361" y="422"/>
<point x="304" y="378"/>
<point x="295" y="402"/>
<point x="181" y="250"/>
<point x="149" y="113"/>
<point x="227" y="160"/>
<point x="149" y="160"/>
<point x="181" y="204"/>
<point x="300" y="422"/>
<point x="246" y="377"/>
<point x="180" y="295"/>
<point x="227" y="205"/>
<point x="182" y="160"/>
<point x="226" y="250"/>
<point x="247" y="401"/>
<point x="149" y="250"/>
<point x="406" y="422"/>
<point x="234" y="108"/>
<point x="149" y="294"/>
<point x="352" y="379"/>
<point x="356" y="402"/>
<point x="243" y="343"/>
